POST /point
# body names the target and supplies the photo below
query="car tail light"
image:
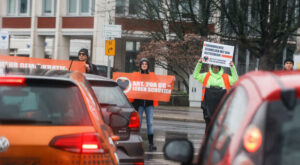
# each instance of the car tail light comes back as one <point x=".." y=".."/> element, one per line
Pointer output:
<point x="138" y="163"/>
<point x="252" y="139"/>
<point x="134" y="123"/>
<point x="12" y="80"/>
<point x="79" y="143"/>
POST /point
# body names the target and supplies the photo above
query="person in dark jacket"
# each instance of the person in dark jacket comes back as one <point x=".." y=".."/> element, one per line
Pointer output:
<point x="83" y="55"/>
<point x="147" y="106"/>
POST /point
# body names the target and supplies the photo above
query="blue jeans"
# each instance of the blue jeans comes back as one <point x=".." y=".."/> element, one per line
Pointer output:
<point x="149" y="117"/>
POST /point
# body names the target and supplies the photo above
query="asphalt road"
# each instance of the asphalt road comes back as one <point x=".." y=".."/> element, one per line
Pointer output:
<point x="168" y="129"/>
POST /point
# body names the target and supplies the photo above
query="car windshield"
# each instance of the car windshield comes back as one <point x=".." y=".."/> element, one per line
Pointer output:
<point x="282" y="136"/>
<point x="38" y="103"/>
<point x="110" y="94"/>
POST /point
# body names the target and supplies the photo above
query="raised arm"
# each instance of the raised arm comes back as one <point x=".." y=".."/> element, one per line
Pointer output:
<point x="234" y="76"/>
<point x="197" y="75"/>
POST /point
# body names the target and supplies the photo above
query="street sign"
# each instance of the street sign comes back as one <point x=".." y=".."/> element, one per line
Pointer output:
<point x="4" y="39"/>
<point x="112" y="31"/>
<point x="110" y="47"/>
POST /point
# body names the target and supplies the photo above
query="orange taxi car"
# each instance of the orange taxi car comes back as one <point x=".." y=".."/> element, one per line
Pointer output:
<point x="51" y="117"/>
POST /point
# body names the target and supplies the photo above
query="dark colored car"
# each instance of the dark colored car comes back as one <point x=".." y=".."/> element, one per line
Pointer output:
<point x="51" y="117"/>
<point x="256" y="123"/>
<point x="111" y="99"/>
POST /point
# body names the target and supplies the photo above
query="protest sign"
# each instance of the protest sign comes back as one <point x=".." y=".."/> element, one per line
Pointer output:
<point x="217" y="54"/>
<point x="28" y="62"/>
<point x="145" y="86"/>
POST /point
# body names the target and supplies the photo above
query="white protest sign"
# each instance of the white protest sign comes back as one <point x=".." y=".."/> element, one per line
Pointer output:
<point x="4" y="38"/>
<point x="217" y="54"/>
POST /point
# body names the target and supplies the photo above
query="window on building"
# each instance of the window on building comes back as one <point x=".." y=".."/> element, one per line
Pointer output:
<point x="184" y="9"/>
<point x="12" y="7"/>
<point x="80" y="7"/>
<point x="18" y="7"/>
<point x="132" y="49"/>
<point x="49" y="7"/>
<point x="85" y="5"/>
<point x="133" y="7"/>
<point x="187" y="8"/>
<point x="23" y="6"/>
<point x="120" y="6"/>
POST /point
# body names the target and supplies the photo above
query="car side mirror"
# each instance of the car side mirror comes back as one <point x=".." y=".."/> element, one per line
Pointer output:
<point x="179" y="150"/>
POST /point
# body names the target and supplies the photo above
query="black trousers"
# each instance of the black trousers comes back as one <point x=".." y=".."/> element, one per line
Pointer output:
<point x="212" y="98"/>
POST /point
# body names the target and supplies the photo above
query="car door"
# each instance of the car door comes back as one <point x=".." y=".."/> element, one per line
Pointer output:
<point x="225" y="124"/>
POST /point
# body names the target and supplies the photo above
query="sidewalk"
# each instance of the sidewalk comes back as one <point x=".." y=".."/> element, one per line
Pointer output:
<point x="178" y="113"/>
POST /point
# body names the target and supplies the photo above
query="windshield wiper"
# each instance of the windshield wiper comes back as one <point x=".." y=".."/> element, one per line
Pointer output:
<point x="24" y="121"/>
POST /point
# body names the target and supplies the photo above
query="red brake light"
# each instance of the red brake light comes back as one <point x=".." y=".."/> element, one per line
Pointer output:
<point x="79" y="143"/>
<point x="11" y="80"/>
<point x="252" y="139"/>
<point x="134" y="121"/>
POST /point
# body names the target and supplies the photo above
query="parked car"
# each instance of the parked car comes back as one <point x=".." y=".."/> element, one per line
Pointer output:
<point x="51" y="117"/>
<point x="111" y="98"/>
<point x="257" y="123"/>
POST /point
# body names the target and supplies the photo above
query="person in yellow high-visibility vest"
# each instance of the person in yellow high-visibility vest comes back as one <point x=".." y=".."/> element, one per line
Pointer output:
<point x="216" y="80"/>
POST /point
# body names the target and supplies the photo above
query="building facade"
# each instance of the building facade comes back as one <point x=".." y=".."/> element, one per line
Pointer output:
<point x="59" y="22"/>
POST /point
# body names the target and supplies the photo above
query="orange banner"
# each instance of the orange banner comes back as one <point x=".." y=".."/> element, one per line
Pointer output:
<point x="145" y="86"/>
<point x="29" y="62"/>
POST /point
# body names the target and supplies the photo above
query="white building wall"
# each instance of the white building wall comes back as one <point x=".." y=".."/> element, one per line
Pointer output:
<point x="104" y="13"/>
<point x="37" y="43"/>
<point x="62" y="43"/>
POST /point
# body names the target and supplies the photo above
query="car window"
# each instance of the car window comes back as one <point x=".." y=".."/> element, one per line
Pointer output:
<point x="225" y="125"/>
<point x="39" y="103"/>
<point x="213" y="131"/>
<point x="110" y="95"/>
<point x="233" y="117"/>
<point x="282" y="134"/>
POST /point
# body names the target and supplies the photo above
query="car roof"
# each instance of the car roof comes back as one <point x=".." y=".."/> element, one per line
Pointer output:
<point x="269" y="83"/>
<point x="94" y="77"/>
<point x="38" y="73"/>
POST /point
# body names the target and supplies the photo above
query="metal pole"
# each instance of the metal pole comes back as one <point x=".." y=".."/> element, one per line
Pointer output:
<point x="236" y="57"/>
<point x="108" y="60"/>
<point x="247" y="60"/>
<point x="108" y="67"/>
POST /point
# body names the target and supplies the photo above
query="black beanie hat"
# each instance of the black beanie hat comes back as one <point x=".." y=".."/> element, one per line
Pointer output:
<point x="289" y="60"/>
<point x="85" y="51"/>
<point x="144" y="60"/>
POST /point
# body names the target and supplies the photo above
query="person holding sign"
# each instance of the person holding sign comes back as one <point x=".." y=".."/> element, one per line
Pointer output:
<point x="147" y="106"/>
<point x="83" y="55"/>
<point x="215" y="83"/>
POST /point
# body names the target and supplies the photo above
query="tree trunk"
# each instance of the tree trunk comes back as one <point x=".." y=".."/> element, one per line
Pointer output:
<point x="267" y="61"/>
<point x="298" y="42"/>
<point x="186" y="84"/>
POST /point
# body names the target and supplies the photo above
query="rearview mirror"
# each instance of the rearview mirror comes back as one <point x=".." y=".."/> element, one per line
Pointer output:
<point x="179" y="150"/>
